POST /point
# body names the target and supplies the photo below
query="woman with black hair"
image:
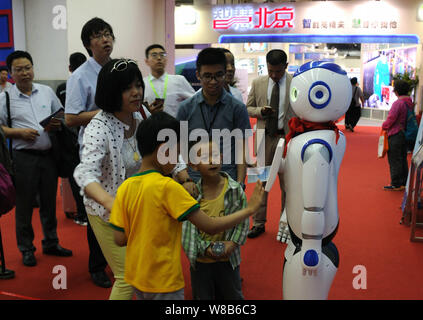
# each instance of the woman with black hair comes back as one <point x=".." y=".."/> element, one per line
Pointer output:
<point x="110" y="155"/>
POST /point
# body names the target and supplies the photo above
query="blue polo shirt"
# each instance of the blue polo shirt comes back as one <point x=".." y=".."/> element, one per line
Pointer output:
<point x="27" y="112"/>
<point x="228" y="113"/>
<point x="80" y="90"/>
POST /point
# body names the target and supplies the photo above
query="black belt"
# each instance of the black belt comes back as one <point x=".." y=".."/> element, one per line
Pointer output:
<point x="35" y="152"/>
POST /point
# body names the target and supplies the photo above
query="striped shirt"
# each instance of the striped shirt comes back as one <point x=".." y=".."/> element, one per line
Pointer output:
<point x="234" y="200"/>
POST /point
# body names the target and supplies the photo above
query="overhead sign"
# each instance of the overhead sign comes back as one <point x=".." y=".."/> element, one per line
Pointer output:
<point x="318" y="18"/>
<point x="248" y="18"/>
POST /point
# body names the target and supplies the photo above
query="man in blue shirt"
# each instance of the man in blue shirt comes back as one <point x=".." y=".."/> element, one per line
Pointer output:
<point x="35" y="167"/>
<point x="213" y="108"/>
<point x="98" y="38"/>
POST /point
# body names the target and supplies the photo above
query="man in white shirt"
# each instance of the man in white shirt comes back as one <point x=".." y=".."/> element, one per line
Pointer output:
<point x="33" y="159"/>
<point x="268" y="101"/>
<point x="4" y="84"/>
<point x="230" y="76"/>
<point x="163" y="90"/>
<point x="98" y="39"/>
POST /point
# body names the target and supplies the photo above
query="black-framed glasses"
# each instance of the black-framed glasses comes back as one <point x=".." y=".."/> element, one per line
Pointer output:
<point x="101" y="35"/>
<point x="207" y="77"/>
<point x="122" y="64"/>
<point x="156" y="55"/>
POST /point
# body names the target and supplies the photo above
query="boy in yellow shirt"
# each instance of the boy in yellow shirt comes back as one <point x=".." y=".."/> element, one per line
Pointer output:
<point x="147" y="214"/>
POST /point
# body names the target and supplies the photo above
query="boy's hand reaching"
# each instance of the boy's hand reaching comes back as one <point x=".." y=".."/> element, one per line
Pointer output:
<point x="257" y="197"/>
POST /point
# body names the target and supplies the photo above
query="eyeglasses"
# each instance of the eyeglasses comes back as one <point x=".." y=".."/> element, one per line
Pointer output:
<point x="156" y="55"/>
<point x="22" y="69"/>
<point x="122" y="64"/>
<point x="207" y="77"/>
<point x="100" y="36"/>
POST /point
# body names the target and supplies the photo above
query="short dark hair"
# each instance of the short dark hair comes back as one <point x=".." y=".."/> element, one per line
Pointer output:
<point x="149" y="129"/>
<point x="111" y="84"/>
<point x="401" y="87"/>
<point x="76" y="59"/>
<point x="354" y="80"/>
<point x="227" y="51"/>
<point x="17" y="55"/>
<point x="93" y="26"/>
<point x="3" y="68"/>
<point x="211" y="56"/>
<point x="276" y="57"/>
<point x="151" y="47"/>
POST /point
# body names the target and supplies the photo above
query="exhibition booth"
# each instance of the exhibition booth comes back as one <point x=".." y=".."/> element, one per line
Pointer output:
<point x="375" y="41"/>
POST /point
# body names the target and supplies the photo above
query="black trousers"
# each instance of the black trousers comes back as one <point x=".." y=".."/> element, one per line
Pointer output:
<point x="96" y="260"/>
<point x="397" y="158"/>
<point x="216" y="281"/>
<point x="35" y="173"/>
<point x="352" y="116"/>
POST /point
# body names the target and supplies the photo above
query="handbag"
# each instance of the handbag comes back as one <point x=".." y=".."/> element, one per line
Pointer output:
<point x="382" y="147"/>
<point x="7" y="188"/>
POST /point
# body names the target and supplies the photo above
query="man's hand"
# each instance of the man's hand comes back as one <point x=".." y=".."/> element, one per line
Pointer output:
<point x="266" y="110"/>
<point x="156" y="106"/>
<point x="29" y="134"/>
<point x="54" y="125"/>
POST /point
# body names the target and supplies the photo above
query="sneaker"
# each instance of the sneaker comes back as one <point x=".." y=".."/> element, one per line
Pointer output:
<point x="82" y="221"/>
<point x="393" y="188"/>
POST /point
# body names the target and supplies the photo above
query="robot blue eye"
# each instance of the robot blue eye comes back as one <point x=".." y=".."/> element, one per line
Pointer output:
<point x="319" y="95"/>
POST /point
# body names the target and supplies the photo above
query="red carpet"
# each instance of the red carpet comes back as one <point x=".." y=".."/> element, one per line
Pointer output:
<point x="369" y="235"/>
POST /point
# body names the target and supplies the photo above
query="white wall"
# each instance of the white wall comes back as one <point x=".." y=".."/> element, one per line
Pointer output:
<point x="136" y="24"/>
<point x="46" y="44"/>
<point x="19" y="37"/>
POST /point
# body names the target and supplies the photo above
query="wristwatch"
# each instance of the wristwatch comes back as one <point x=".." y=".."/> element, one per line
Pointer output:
<point x="218" y="248"/>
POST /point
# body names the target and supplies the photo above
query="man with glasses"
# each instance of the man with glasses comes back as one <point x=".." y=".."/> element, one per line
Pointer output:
<point x="98" y="39"/>
<point x="268" y="101"/>
<point x="34" y="163"/>
<point x="212" y="107"/>
<point x="163" y="91"/>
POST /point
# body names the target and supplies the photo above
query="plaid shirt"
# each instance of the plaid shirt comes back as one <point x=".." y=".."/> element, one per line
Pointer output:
<point x="234" y="200"/>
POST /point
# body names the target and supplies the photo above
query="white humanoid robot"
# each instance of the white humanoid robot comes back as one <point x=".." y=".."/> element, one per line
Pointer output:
<point x="320" y="93"/>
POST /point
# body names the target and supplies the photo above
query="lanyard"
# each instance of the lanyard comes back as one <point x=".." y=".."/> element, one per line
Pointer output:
<point x="165" y="87"/>
<point x="214" y="118"/>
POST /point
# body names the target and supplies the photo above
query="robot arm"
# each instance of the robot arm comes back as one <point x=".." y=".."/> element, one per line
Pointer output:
<point x="316" y="156"/>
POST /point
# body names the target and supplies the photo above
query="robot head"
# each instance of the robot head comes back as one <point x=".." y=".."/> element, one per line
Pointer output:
<point x="320" y="91"/>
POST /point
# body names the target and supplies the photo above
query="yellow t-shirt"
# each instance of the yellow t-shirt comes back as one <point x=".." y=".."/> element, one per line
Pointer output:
<point x="214" y="208"/>
<point x="149" y="208"/>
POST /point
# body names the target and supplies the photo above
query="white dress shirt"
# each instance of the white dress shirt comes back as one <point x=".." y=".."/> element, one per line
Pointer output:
<point x="28" y="111"/>
<point x="178" y="89"/>
<point x="236" y="93"/>
<point x="282" y="91"/>
<point x="6" y="87"/>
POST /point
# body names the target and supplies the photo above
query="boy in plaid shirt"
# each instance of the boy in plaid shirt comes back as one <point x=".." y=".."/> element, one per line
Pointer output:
<point x="215" y="259"/>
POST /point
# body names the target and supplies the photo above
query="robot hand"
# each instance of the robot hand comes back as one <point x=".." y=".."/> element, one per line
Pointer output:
<point x="283" y="233"/>
<point x="311" y="253"/>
